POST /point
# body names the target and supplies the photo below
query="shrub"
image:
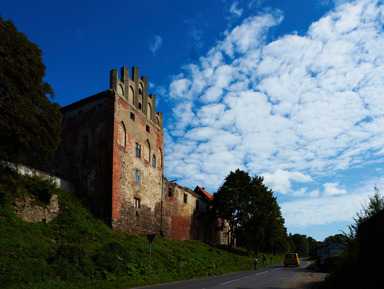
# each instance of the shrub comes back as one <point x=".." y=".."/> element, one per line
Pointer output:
<point x="42" y="189"/>
<point x="71" y="261"/>
<point x="112" y="257"/>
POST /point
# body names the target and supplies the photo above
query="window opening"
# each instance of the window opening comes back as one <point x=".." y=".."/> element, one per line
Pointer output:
<point x="154" y="161"/>
<point x="185" y="198"/>
<point x="132" y="116"/>
<point x="138" y="150"/>
<point x="170" y="192"/>
<point x="137" y="176"/>
<point x="137" y="202"/>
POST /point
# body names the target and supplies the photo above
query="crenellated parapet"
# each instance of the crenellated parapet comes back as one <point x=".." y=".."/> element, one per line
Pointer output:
<point x="135" y="92"/>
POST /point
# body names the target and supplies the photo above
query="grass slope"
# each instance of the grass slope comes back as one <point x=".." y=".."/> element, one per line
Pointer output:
<point x="75" y="250"/>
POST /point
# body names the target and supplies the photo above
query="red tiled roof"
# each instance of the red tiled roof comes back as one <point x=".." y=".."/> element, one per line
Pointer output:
<point x="209" y="196"/>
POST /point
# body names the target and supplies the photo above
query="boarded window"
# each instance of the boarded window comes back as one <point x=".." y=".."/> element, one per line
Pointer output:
<point x="122" y="135"/>
<point x="149" y="110"/>
<point x="130" y="95"/>
<point x="147" y="150"/>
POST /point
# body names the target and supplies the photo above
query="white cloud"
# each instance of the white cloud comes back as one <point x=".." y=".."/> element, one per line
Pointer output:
<point x="321" y="211"/>
<point x="235" y="10"/>
<point x="281" y="181"/>
<point x="155" y="44"/>
<point x="330" y="189"/>
<point x="293" y="109"/>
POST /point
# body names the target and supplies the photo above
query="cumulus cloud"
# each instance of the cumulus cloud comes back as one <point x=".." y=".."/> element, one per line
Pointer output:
<point x="281" y="180"/>
<point x="295" y="109"/>
<point x="330" y="189"/>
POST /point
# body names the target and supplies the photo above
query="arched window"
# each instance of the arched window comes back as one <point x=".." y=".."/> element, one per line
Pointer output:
<point x="149" y="110"/>
<point x="122" y="135"/>
<point x="140" y="100"/>
<point x="147" y="151"/>
<point x="130" y="95"/>
<point x="120" y="90"/>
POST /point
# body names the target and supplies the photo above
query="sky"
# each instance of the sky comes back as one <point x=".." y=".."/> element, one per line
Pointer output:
<point x="291" y="90"/>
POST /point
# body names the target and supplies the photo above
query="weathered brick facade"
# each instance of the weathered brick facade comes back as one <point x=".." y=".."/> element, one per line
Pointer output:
<point x="112" y="149"/>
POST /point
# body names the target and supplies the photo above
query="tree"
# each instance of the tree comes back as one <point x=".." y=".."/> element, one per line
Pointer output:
<point x="252" y="212"/>
<point x="375" y="206"/>
<point x="29" y="121"/>
<point x="229" y="201"/>
<point x="301" y="244"/>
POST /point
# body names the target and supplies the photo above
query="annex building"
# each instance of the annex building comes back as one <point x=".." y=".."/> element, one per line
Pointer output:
<point x="112" y="149"/>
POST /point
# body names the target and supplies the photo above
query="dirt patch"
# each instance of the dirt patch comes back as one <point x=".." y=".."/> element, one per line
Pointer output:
<point x="307" y="279"/>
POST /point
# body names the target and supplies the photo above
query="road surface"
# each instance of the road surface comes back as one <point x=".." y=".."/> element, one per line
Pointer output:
<point x="275" y="276"/>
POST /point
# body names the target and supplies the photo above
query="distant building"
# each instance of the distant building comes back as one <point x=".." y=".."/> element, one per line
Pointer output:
<point x="112" y="149"/>
<point x="330" y="249"/>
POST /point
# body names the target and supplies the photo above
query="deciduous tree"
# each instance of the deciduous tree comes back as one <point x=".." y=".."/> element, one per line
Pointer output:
<point x="29" y="121"/>
<point x="252" y="212"/>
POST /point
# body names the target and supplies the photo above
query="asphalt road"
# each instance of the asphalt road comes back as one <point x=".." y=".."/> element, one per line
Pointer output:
<point x="275" y="276"/>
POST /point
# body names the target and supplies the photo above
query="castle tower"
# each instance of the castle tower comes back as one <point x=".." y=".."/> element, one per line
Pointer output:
<point x="138" y="159"/>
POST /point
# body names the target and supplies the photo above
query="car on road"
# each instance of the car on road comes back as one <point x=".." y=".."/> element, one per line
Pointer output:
<point x="291" y="259"/>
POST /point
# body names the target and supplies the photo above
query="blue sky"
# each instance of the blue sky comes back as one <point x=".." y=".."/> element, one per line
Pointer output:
<point x="288" y="89"/>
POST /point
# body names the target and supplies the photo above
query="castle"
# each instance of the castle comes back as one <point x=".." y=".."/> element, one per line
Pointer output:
<point x="112" y="149"/>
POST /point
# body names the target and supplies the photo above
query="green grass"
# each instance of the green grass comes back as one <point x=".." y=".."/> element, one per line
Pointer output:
<point x="76" y="250"/>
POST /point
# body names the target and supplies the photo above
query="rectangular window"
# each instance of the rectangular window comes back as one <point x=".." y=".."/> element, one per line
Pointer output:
<point x="84" y="144"/>
<point x="137" y="176"/>
<point x="138" y="150"/>
<point x="170" y="192"/>
<point x="147" y="128"/>
<point x="137" y="202"/>
<point x="185" y="198"/>
<point x="197" y="205"/>
<point x="132" y="116"/>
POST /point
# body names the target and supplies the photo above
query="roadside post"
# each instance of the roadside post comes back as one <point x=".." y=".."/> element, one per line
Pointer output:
<point x="150" y="239"/>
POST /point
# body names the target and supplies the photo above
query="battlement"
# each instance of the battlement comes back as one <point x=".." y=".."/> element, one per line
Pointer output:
<point x="135" y="92"/>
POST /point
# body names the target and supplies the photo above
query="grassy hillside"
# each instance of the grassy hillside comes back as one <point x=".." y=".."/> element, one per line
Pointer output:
<point x="75" y="250"/>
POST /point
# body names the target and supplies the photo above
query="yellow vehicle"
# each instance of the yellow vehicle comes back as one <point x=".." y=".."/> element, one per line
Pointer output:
<point x="292" y="259"/>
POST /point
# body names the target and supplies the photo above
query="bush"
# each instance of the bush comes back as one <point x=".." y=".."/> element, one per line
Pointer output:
<point x="42" y="189"/>
<point x="71" y="261"/>
<point x="112" y="258"/>
<point x="24" y="271"/>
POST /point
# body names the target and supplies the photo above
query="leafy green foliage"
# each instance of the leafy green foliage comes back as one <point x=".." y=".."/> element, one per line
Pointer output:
<point x="40" y="188"/>
<point x="29" y="122"/>
<point x="301" y="244"/>
<point x="360" y="266"/>
<point x="252" y="212"/>
<point x="77" y="251"/>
